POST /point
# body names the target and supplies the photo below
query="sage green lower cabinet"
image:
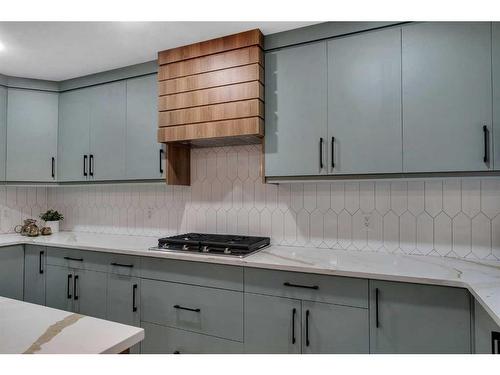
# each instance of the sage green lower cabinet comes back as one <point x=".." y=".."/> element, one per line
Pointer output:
<point x="77" y="290"/>
<point x="12" y="272"/>
<point x="272" y="324"/>
<point x="166" y="340"/>
<point x="334" y="329"/>
<point x="35" y="268"/>
<point x="419" y="319"/>
<point x="486" y="332"/>
<point x="495" y="32"/>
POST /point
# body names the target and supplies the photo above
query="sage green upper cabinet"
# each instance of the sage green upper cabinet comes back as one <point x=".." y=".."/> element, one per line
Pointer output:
<point x="107" y="131"/>
<point x="296" y="111"/>
<point x="32" y="118"/>
<point x="74" y="135"/>
<point x="364" y="103"/>
<point x="446" y="96"/>
<point x="3" y="130"/>
<point x="144" y="154"/>
<point x="496" y="92"/>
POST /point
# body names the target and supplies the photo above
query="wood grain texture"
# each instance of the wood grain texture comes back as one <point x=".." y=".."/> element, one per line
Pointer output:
<point x="253" y="126"/>
<point x="208" y="47"/>
<point x="239" y="74"/>
<point x="224" y="60"/>
<point x="215" y="112"/>
<point x="223" y="94"/>
<point x="178" y="164"/>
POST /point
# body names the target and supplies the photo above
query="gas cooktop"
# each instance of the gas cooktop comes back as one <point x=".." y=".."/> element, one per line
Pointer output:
<point x="213" y="244"/>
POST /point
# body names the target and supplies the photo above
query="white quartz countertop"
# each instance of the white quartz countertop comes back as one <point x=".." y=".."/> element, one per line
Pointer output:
<point x="34" y="329"/>
<point x="481" y="278"/>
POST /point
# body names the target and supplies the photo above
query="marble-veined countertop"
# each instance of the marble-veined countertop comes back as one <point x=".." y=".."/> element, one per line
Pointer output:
<point x="481" y="278"/>
<point x="34" y="329"/>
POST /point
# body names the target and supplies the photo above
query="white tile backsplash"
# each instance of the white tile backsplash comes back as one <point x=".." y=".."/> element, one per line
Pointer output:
<point x="457" y="217"/>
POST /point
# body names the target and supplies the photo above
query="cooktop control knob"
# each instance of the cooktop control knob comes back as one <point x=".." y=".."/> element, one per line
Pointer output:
<point x="205" y="249"/>
<point x="227" y="250"/>
<point x="185" y="247"/>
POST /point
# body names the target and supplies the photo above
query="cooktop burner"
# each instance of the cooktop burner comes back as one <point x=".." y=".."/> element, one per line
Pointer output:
<point x="220" y="244"/>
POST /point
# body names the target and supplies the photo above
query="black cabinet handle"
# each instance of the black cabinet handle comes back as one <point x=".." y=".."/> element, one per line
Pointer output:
<point x="307" y="328"/>
<point x="40" y="262"/>
<point x="294" y="312"/>
<point x="75" y="288"/>
<point x="377" y="324"/>
<point x="85" y="165"/>
<point x="186" y="308"/>
<point x="333" y="152"/>
<point x="495" y="342"/>
<point x="286" y="283"/>
<point x="122" y="265"/>
<point x="321" y="153"/>
<point x="91" y="165"/>
<point x="161" y="167"/>
<point x="134" y="292"/>
<point x="486" y="133"/>
<point x="75" y="259"/>
<point x="53" y="167"/>
<point x="68" y="285"/>
<point x="177" y="352"/>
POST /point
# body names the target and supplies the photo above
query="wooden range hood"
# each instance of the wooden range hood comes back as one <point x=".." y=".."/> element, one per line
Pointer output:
<point x="210" y="94"/>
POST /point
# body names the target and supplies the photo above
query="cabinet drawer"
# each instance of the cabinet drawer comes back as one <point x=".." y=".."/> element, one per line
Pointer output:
<point x="198" y="273"/>
<point x="164" y="340"/>
<point x="126" y="265"/>
<point x="210" y="311"/>
<point x="78" y="259"/>
<point x="331" y="289"/>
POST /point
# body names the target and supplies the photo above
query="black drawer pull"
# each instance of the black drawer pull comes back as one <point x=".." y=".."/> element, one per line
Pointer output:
<point x="294" y="312"/>
<point x="75" y="288"/>
<point x="40" y="262"/>
<point x="307" y="328"/>
<point x="122" y="265"/>
<point x="377" y="323"/>
<point x="68" y="294"/>
<point x="85" y="165"/>
<point x="495" y="339"/>
<point x="91" y="165"/>
<point x="161" y="167"/>
<point x="75" y="259"/>
<point x="177" y="352"/>
<point x="53" y="173"/>
<point x="134" y="292"/>
<point x="186" y="308"/>
<point x="321" y="153"/>
<point x="315" y="287"/>
<point x="333" y="152"/>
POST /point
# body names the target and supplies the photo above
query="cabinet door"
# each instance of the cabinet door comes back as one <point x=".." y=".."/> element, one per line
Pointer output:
<point x="296" y="112"/>
<point x="123" y="299"/>
<point x="446" y="96"/>
<point x="418" y="319"/>
<point x="364" y="103"/>
<point x="59" y="288"/>
<point x="11" y="272"/>
<point x="107" y="131"/>
<point x="334" y="329"/>
<point x="272" y="324"/>
<point x="32" y="133"/>
<point x="34" y="274"/>
<point x="90" y="293"/>
<point x="485" y="331"/>
<point x="74" y="135"/>
<point x="144" y="154"/>
<point x="3" y="130"/>
<point x="496" y="92"/>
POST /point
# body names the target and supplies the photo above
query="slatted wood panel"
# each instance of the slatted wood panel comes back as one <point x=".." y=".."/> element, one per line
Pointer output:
<point x="211" y="94"/>
<point x="245" y="73"/>
<point x="214" y="95"/>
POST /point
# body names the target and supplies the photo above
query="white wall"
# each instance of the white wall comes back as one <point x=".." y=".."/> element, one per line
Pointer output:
<point x="456" y="217"/>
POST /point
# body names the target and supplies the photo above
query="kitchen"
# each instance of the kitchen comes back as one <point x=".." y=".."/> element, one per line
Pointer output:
<point x="252" y="188"/>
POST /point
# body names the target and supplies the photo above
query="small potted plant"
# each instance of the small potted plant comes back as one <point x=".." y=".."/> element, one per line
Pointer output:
<point x="52" y="219"/>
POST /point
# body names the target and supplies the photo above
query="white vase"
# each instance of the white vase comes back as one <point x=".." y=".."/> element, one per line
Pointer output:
<point x="53" y="225"/>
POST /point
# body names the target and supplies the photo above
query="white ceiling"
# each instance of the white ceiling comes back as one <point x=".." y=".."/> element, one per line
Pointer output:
<point x="63" y="50"/>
